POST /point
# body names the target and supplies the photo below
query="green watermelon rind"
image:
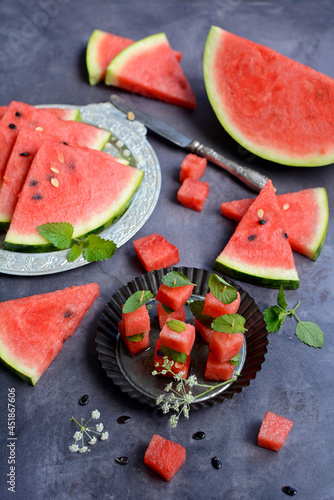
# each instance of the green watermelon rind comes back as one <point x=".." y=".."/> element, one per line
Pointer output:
<point x="93" y="69"/>
<point x="212" y="42"/>
<point x="271" y="278"/>
<point x="12" y="245"/>
<point x="17" y="366"/>
<point x="319" y="239"/>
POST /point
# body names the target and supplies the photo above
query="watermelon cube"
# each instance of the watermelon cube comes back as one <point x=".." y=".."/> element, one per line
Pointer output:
<point x="174" y="297"/>
<point x="163" y="315"/>
<point x="155" y="252"/>
<point x="164" y="457"/>
<point x="137" y="321"/>
<point x="203" y="330"/>
<point x="134" y="347"/>
<point x="177" y="365"/>
<point x="192" y="167"/>
<point x="214" y="307"/>
<point x="178" y="341"/>
<point x="273" y="431"/>
<point x="193" y="194"/>
<point x="225" y="346"/>
<point x="215" y="370"/>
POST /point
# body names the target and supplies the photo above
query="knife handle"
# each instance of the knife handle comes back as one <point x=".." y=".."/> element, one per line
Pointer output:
<point x="253" y="179"/>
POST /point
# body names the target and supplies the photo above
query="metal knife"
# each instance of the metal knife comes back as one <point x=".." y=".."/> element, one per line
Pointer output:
<point x="253" y="179"/>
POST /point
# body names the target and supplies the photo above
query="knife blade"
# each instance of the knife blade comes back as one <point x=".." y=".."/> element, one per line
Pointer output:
<point x="250" y="177"/>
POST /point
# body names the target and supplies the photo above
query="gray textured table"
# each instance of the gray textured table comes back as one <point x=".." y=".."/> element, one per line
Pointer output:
<point x="43" y="61"/>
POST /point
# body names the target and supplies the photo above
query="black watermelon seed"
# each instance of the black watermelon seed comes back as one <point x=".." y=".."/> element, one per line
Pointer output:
<point x="251" y="237"/>
<point x="65" y="143"/>
<point x="68" y="314"/>
<point x="199" y="435"/>
<point x="122" y="460"/>
<point x="84" y="400"/>
<point x="33" y="183"/>
<point x="289" y="491"/>
<point x="11" y="125"/>
<point x="286" y="236"/>
<point x="262" y="221"/>
<point x="160" y="353"/>
<point x="37" y="196"/>
<point x="24" y="154"/>
<point x="216" y="463"/>
<point x="123" y="419"/>
<point x="18" y="114"/>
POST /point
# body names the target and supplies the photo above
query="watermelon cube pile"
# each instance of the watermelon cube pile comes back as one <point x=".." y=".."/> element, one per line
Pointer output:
<point x="174" y="297"/>
<point x="164" y="457"/>
<point x="178" y="341"/>
<point x="137" y="321"/>
<point x="273" y="431"/>
<point x="193" y="194"/>
<point x="214" y="307"/>
<point x="134" y="327"/>
<point x="225" y="346"/>
<point x="134" y="343"/>
<point x="155" y="252"/>
<point x="215" y="370"/>
<point x="205" y="331"/>
<point x="192" y="167"/>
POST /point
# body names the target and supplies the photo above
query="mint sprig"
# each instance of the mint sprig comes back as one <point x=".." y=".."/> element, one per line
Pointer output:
<point x="196" y="307"/>
<point x="306" y="331"/>
<point x="175" y="279"/>
<point x="222" y="290"/>
<point x="229" y="323"/>
<point x="176" y="325"/>
<point x="136" y="300"/>
<point x="93" y="247"/>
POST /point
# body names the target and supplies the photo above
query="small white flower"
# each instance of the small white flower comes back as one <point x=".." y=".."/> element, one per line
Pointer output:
<point x="179" y="386"/>
<point x="173" y="421"/>
<point x="95" y="414"/>
<point x="159" y="399"/>
<point x="163" y="372"/>
<point x="192" y="380"/>
<point x="165" y="407"/>
<point x="99" y="427"/>
<point x="176" y="406"/>
<point x="179" y="376"/>
<point x="189" y="398"/>
<point x="105" y="435"/>
<point x="83" y="449"/>
<point x="92" y="440"/>
<point x="77" y="435"/>
<point x="73" y="448"/>
<point x="168" y="387"/>
<point x="155" y="371"/>
<point x="157" y="365"/>
<point x="185" y="411"/>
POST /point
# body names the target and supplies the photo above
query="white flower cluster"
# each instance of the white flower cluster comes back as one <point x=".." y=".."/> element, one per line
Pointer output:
<point x="88" y="431"/>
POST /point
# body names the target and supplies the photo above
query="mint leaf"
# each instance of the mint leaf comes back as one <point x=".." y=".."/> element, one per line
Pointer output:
<point x="136" y="338"/>
<point x="74" y="253"/>
<point x="222" y="290"/>
<point x="136" y="300"/>
<point x="175" y="279"/>
<point x="229" y="323"/>
<point x="196" y="308"/>
<point x="167" y="309"/>
<point x="58" y="233"/>
<point x="176" y="325"/>
<point x="310" y="333"/>
<point x="281" y="301"/>
<point x="97" y="248"/>
<point x="274" y="317"/>
<point x="179" y="357"/>
<point x="235" y="360"/>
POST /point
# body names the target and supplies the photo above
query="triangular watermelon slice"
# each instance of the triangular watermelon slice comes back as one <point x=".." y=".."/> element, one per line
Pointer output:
<point x="102" y="48"/>
<point x="259" y="251"/>
<point x="305" y="218"/>
<point x="32" y="329"/>
<point x="84" y="187"/>
<point x="149" y="67"/>
<point x="20" y="115"/>
<point x="62" y="113"/>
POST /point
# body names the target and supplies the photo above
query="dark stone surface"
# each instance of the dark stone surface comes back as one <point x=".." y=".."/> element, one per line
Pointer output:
<point x="42" y="60"/>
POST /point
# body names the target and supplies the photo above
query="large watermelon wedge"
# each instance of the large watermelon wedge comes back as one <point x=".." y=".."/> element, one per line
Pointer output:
<point x="84" y="187"/>
<point x="305" y="218"/>
<point x="62" y="113"/>
<point x="102" y="48"/>
<point x="259" y="251"/>
<point x="275" y="107"/>
<point x="149" y="67"/>
<point x="32" y="329"/>
<point x="19" y="115"/>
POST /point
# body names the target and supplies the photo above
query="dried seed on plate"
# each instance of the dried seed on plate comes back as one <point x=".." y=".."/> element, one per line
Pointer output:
<point x="131" y="116"/>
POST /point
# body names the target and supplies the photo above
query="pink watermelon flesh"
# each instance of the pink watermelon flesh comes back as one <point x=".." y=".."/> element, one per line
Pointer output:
<point x="163" y="315"/>
<point x="155" y="252"/>
<point x="102" y="48"/>
<point x="151" y="69"/>
<point x="214" y="370"/>
<point x="62" y="113"/>
<point x="193" y="194"/>
<point x="275" y="107"/>
<point x="3" y="110"/>
<point x="224" y="346"/>
<point x="177" y="366"/>
<point x="203" y="330"/>
<point x="305" y="215"/>
<point x="21" y="115"/>
<point x="214" y="307"/>
<point x="134" y="347"/>
<point x="32" y="329"/>
<point x="178" y="341"/>
<point x="259" y="251"/>
<point x="137" y="321"/>
<point x="193" y="166"/>
<point x="164" y="457"/>
<point x="273" y="431"/>
<point x="174" y="297"/>
<point x="93" y="189"/>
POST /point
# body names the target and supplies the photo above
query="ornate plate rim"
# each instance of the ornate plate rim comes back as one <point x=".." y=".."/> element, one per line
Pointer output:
<point x="133" y="133"/>
<point x="108" y="342"/>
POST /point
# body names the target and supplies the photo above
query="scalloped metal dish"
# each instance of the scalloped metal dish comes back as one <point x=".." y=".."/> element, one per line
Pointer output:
<point x="133" y="374"/>
<point x="129" y="142"/>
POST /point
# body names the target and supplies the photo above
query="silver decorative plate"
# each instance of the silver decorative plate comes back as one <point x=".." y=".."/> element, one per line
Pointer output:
<point x="128" y="141"/>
